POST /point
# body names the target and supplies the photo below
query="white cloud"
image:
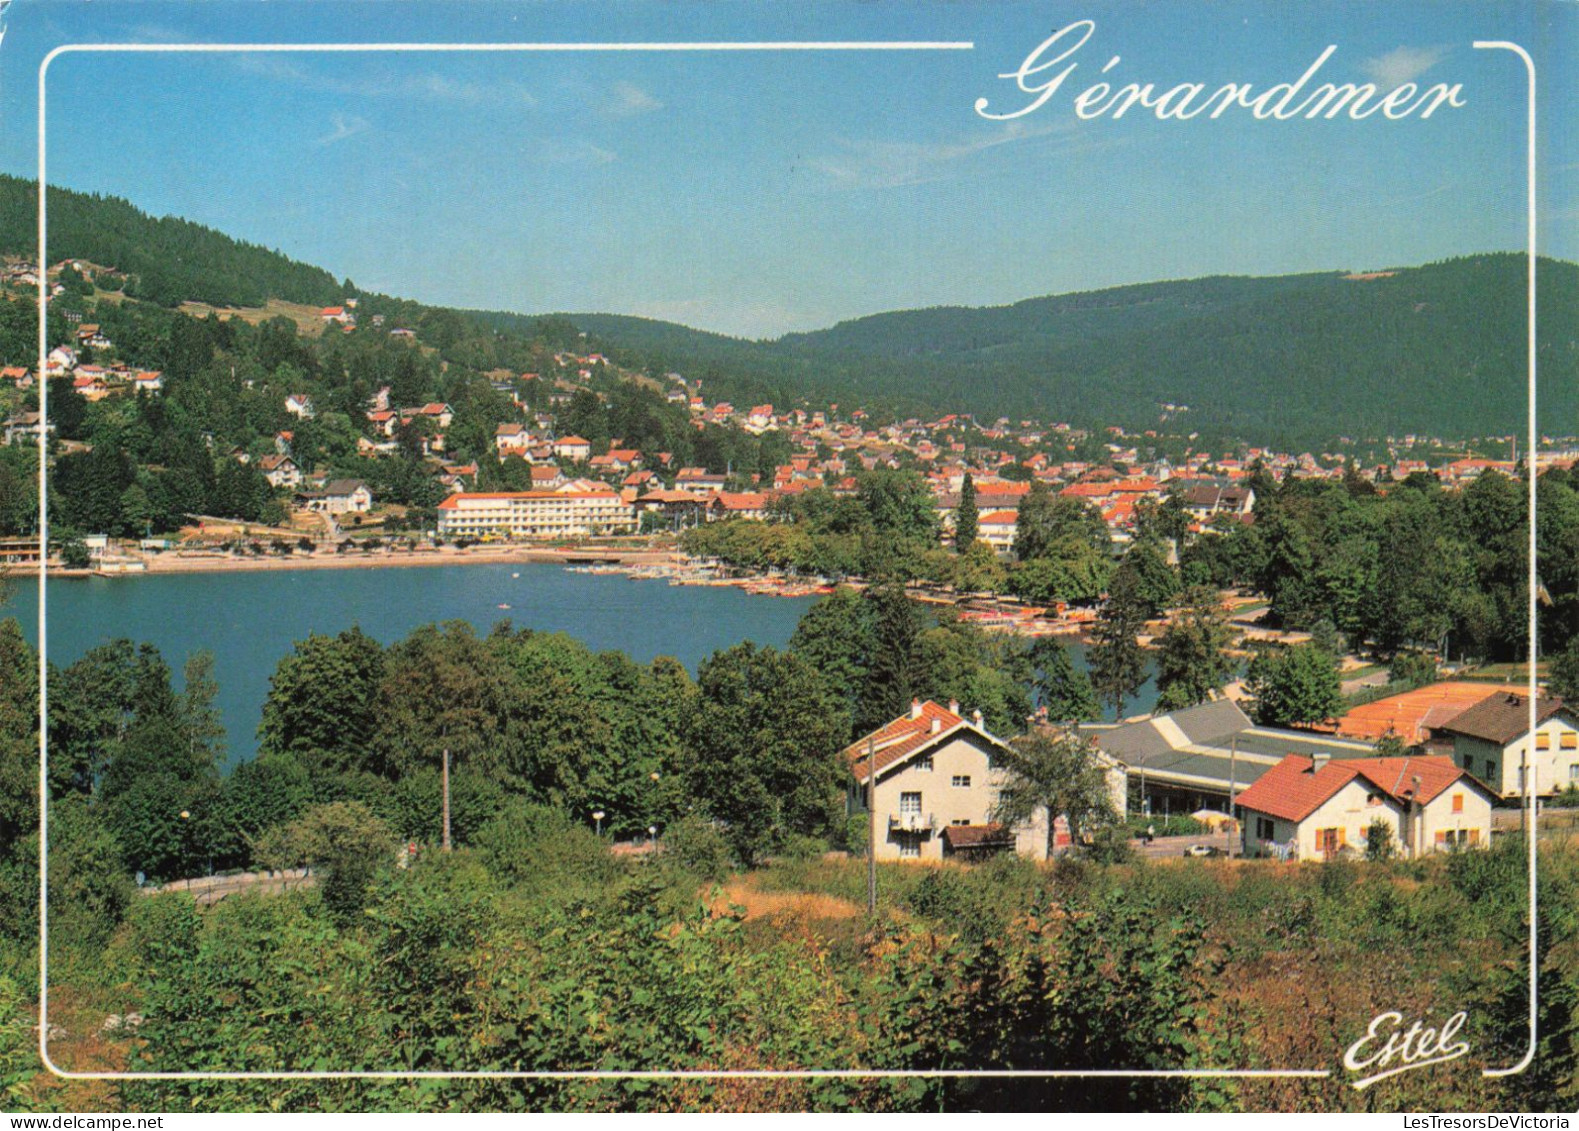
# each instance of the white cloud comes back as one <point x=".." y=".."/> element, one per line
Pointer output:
<point x="1402" y="64"/>
<point x="345" y="125"/>
<point x="629" y="99"/>
<point x="891" y="164"/>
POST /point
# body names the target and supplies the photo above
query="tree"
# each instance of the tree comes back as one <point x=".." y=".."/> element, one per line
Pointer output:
<point x="1413" y="668"/>
<point x="1156" y="583"/>
<point x="891" y="675"/>
<point x="342" y="837"/>
<point x="1072" y="570"/>
<point x="1192" y="659"/>
<point x="1116" y="660"/>
<point x="1294" y="685"/>
<point x="763" y="748"/>
<point x="1061" y="689"/>
<point x="199" y="716"/>
<point x="835" y="637"/>
<point x="977" y="569"/>
<point x="1380" y="843"/>
<point x="1563" y="674"/>
<point x="900" y="505"/>
<point x="324" y="701"/>
<point x="966" y="517"/>
<point x="1058" y="771"/>
<point x="1045" y="518"/>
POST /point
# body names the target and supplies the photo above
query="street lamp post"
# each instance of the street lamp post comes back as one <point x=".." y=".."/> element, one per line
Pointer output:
<point x="597" y="816"/>
<point x="186" y="827"/>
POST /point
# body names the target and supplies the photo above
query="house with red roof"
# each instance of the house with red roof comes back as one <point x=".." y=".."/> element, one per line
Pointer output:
<point x="737" y="504"/>
<point x="1495" y="739"/>
<point x="573" y="448"/>
<point x="512" y="440"/>
<point x="937" y="776"/>
<point x="996" y="528"/>
<point x="280" y="470"/>
<point x="1322" y="808"/>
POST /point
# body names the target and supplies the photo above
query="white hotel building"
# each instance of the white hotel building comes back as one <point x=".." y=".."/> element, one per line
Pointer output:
<point x="577" y="509"/>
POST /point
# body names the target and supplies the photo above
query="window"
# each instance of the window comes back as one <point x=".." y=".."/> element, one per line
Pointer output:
<point x="910" y="802"/>
<point x="1491" y="770"/>
<point x="1329" y="841"/>
<point x="1543" y="740"/>
<point x="1373" y="800"/>
<point x="1458" y="803"/>
<point x="960" y="821"/>
<point x="924" y="764"/>
<point x="909" y="847"/>
<point x="1264" y="828"/>
<point x="1570" y="740"/>
<point x="1573" y="772"/>
<point x="962" y="781"/>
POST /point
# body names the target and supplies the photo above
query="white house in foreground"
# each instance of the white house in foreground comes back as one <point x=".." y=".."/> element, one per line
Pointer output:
<point x="1321" y="808"/>
<point x="938" y="777"/>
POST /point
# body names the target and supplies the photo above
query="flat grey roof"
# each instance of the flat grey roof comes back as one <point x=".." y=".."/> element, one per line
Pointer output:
<point x="1210" y="744"/>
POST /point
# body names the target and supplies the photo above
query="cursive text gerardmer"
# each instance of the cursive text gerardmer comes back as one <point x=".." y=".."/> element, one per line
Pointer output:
<point x="1045" y="70"/>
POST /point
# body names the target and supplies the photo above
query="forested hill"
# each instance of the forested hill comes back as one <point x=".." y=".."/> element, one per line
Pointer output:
<point x="1287" y="360"/>
<point x="167" y="260"/>
<point x="1435" y="349"/>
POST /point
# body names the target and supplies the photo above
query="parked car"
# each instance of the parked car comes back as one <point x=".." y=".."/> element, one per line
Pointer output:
<point x="1204" y="850"/>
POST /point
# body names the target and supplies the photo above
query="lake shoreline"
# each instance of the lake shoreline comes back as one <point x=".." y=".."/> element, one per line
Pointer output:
<point x="177" y="562"/>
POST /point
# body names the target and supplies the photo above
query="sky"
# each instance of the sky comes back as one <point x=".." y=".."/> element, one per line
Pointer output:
<point x="757" y="193"/>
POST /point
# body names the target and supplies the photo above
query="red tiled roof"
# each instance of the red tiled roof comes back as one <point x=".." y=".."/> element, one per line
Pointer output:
<point x="1396" y="775"/>
<point x="897" y="740"/>
<point x="453" y="502"/>
<point x="1293" y="789"/>
<point x="1410" y="714"/>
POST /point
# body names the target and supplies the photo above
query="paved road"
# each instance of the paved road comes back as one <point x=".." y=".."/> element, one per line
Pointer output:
<point x="1165" y="846"/>
<point x="208" y="890"/>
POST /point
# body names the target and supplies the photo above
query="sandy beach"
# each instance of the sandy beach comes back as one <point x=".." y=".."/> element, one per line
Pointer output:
<point x="177" y="561"/>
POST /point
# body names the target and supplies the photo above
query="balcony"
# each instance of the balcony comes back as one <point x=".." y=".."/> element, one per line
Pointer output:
<point x="912" y="823"/>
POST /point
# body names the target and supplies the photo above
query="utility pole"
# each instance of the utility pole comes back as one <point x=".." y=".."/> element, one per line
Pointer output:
<point x="1233" y="758"/>
<point x="871" y="838"/>
<point x="446" y="799"/>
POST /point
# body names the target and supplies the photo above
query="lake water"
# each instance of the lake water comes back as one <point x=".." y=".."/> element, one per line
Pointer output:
<point x="249" y="620"/>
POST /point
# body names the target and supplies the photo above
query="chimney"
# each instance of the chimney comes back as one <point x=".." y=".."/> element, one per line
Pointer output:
<point x="937" y="724"/>
<point x="953" y="706"/>
<point x="975" y="717"/>
<point x="1319" y="760"/>
<point x="915" y="708"/>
